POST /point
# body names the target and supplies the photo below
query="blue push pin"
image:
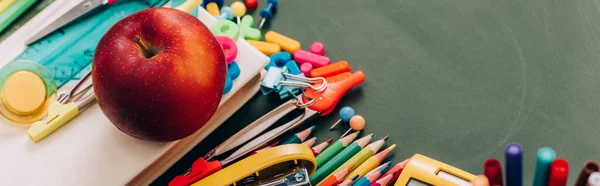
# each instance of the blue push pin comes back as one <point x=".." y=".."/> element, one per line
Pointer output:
<point x="226" y="13"/>
<point x="345" y="114"/>
<point x="267" y="13"/>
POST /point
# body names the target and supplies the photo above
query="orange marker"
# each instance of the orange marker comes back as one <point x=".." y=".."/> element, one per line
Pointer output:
<point x="331" y="69"/>
<point x="310" y="142"/>
<point x="320" y="147"/>
<point x="337" y="177"/>
<point x="264" y="47"/>
<point x="284" y="42"/>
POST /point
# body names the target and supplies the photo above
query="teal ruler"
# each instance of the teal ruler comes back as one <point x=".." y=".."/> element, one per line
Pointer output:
<point x="68" y="52"/>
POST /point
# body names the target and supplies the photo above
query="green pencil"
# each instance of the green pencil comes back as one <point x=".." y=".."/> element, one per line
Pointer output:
<point x="335" y="148"/>
<point x="299" y="137"/>
<point x="340" y="158"/>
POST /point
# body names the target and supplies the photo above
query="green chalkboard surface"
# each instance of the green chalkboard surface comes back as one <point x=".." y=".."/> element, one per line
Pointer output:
<point x="454" y="80"/>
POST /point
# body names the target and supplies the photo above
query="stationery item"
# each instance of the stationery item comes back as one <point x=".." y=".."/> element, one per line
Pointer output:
<point x="267" y="12"/>
<point x="348" y="182"/>
<point x="371" y="163"/>
<point x="422" y="170"/>
<point x="373" y="175"/>
<point x="335" y="148"/>
<point x="268" y="84"/>
<point x="226" y="13"/>
<point x="286" y="43"/>
<point x="229" y="47"/>
<point x="26" y="91"/>
<point x="594" y="179"/>
<point x="251" y="4"/>
<point x="396" y="170"/>
<point x="363" y="155"/>
<point x="247" y="30"/>
<point x="339" y="159"/>
<point x="310" y="142"/>
<point x="514" y="164"/>
<point x="328" y="96"/>
<point x="213" y="9"/>
<point x="492" y="169"/>
<point x="383" y="181"/>
<point x="559" y="172"/>
<point x="279" y="59"/>
<point x="588" y="168"/>
<point x="12" y="12"/>
<point x="545" y="156"/>
<point x="357" y="122"/>
<point x="299" y="137"/>
<point x="306" y="68"/>
<point x="345" y="114"/>
<point x="264" y="47"/>
<point x="265" y="148"/>
<point x="337" y="177"/>
<point x="331" y="69"/>
<point x="79" y="10"/>
<point x="317" y="48"/>
<point x="294" y="161"/>
<point x="5" y="4"/>
<point x="239" y="10"/>
<point x="317" y="149"/>
<point x="218" y="2"/>
<point x="233" y="70"/>
<point x="315" y="60"/>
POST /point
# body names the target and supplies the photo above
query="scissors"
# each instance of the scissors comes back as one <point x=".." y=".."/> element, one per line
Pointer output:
<point x="78" y="11"/>
<point x="320" y="98"/>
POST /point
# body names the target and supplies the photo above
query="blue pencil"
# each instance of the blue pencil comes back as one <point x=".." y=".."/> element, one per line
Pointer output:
<point x="514" y="164"/>
<point x="545" y="156"/>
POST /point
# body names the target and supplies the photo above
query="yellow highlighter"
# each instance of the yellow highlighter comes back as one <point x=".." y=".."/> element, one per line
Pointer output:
<point x="58" y="115"/>
<point x="422" y="171"/>
<point x="282" y="165"/>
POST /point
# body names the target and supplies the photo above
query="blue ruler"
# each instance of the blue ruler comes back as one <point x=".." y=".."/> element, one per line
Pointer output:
<point x="68" y="52"/>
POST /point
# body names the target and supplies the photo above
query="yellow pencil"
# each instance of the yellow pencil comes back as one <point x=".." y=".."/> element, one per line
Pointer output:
<point x="5" y="4"/>
<point x="370" y="163"/>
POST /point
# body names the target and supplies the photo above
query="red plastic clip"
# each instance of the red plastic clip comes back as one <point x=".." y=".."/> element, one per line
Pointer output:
<point x="328" y="99"/>
<point x="200" y="169"/>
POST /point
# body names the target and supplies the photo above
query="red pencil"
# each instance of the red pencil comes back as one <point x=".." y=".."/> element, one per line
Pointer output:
<point x="559" y="172"/>
<point x="383" y="181"/>
<point x="492" y="169"/>
<point x="320" y="147"/>
<point x="395" y="171"/>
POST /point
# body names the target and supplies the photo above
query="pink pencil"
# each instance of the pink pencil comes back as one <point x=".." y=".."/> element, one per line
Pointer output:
<point x="383" y="181"/>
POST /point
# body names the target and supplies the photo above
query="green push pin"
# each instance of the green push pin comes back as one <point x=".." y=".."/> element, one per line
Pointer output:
<point x="246" y="30"/>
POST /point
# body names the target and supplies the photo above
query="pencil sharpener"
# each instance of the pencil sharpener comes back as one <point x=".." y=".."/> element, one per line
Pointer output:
<point x="26" y="91"/>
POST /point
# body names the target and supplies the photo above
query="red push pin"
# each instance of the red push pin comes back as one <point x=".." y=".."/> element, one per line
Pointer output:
<point x="251" y="4"/>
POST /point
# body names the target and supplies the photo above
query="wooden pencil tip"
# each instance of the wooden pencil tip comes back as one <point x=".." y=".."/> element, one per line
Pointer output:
<point x="386" y="138"/>
<point x="329" y="140"/>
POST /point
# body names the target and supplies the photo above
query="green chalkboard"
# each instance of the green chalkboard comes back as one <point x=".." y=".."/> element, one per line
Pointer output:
<point x="455" y="80"/>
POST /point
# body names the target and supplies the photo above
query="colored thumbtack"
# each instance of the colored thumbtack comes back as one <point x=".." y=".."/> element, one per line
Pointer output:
<point x="357" y="123"/>
<point x="251" y="4"/>
<point x="316" y="48"/>
<point x="345" y="114"/>
<point x="239" y="10"/>
<point x="267" y="13"/>
<point x="213" y="9"/>
<point x="306" y="68"/>
<point x="226" y="13"/>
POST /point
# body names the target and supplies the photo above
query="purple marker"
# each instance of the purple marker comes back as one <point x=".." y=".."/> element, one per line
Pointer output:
<point x="514" y="164"/>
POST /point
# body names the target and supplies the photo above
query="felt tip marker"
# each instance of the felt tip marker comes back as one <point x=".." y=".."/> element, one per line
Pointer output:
<point x="545" y="156"/>
<point x="588" y="168"/>
<point x="514" y="164"/>
<point x="492" y="169"/>
<point x="559" y="172"/>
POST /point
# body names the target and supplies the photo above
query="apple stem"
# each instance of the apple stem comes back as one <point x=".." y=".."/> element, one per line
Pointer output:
<point x="147" y="52"/>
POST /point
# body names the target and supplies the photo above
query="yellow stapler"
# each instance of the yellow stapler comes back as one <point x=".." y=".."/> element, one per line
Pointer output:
<point x="283" y="165"/>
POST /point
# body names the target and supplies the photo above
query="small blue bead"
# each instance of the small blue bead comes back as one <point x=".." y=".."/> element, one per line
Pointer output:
<point x="346" y="113"/>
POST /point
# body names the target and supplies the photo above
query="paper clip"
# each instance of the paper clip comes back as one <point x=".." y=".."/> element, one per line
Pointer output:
<point x="303" y="82"/>
<point x="328" y="97"/>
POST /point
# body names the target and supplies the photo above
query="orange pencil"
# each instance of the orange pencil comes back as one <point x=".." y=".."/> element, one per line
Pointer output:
<point x="320" y="147"/>
<point x="337" y="177"/>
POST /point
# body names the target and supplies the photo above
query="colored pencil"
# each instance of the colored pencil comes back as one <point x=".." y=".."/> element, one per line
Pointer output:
<point x="514" y="164"/>
<point x="317" y="149"/>
<point x="339" y="159"/>
<point x="396" y="170"/>
<point x="545" y="156"/>
<point x="373" y="175"/>
<point x="492" y="169"/>
<point x="371" y="163"/>
<point x="337" y="177"/>
<point x="265" y="148"/>
<point x="335" y="148"/>
<point x="310" y="142"/>
<point x="588" y="168"/>
<point x="383" y="181"/>
<point x="299" y="137"/>
<point x="349" y="182"/>
<point x="559" y="172"/>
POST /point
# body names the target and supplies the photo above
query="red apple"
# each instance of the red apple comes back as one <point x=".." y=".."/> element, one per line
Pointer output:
<point x="159" y="74"/>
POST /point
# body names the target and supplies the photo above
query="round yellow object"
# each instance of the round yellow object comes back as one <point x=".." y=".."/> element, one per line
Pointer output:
<point x="24" y="92"/>
<point x="238" y="9"/>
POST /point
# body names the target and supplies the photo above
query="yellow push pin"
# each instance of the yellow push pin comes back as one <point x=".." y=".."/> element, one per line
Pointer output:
<point x="357" y="122"/>
<point x="213" y="9"/>
<point x="239" y="10"/>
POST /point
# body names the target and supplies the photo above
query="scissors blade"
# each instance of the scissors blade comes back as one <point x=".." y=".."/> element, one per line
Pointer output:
<point x="253" y="129"/>
<point x="75" y="12"/>
<point x="269" y="136"/>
